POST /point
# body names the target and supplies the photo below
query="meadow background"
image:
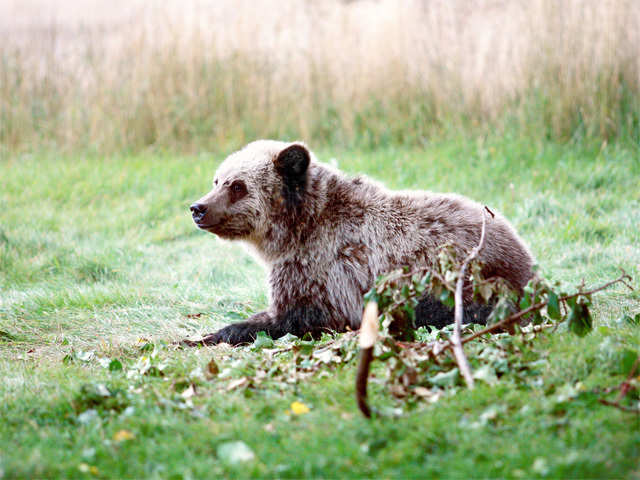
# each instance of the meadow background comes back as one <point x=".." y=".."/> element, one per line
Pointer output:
<point x="113" y="118"/>
<point x="195" y="75"/>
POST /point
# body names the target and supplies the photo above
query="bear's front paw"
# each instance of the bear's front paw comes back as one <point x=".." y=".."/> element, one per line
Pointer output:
<point x="210" y="339"/>
<point x="235" y="334"/>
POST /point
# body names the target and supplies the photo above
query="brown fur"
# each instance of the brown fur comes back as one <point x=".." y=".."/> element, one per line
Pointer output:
<point x="325" y="237"/>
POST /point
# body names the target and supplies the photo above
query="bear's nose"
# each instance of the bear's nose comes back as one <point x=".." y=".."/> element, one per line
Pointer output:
<point x="197" y="211"/>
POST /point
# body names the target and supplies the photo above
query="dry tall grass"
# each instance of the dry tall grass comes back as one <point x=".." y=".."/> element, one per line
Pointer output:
<point x="194" y="74"/>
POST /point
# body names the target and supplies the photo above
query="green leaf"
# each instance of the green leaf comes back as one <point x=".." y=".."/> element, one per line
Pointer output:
<point x="262" y="341"/>
<point x="444" y="296"/>
<point x="371" y="296"/>
<point x="146" y="347"/>
<point x="115" y="365"/>
<point x="84" y="356"/>
<point x="627" y="361"/>
<point x="580" y="321"/>
<point x="6" y="335"/>
<point x="405" y="291"/>
<point x="628" y="320"/>
<point x="287" y="339"/>
<point x="553" y="307"/>
<point x="537" y="318"/>
<point x="305" y="347"/>
<point x="447" y="298"/>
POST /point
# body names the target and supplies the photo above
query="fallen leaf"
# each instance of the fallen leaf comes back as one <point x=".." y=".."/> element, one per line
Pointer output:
<point x="398" y="390"/>
<point x="212" y="368"/>
<point x="326" y="356"/>
<point x="123" y="435"/>
<point x="84" y="468"/>
<point x="88" y="416"/>
<point x="486" y="374"/>
<point x="102" y="390"/>
<point x="237" y="383"/>
<point x="445" y="379"/>
<point x="299" y="408"/>
<point x="84" y="356"/>
<point x="189" y="392"/>
<point x="423" y="392"/>
<point x="540" y="466"/>
<point x="89" y="453"/>
<point x="235" y="452"/>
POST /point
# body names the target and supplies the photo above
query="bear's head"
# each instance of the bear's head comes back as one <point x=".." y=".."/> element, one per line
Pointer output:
<point x="265" y="178"/>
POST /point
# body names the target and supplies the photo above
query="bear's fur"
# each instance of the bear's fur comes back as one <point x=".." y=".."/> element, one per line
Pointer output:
<point x="325" y="237"/>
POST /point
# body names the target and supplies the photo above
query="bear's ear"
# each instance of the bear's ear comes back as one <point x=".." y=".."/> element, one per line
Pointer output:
<point x="292" y="162"/>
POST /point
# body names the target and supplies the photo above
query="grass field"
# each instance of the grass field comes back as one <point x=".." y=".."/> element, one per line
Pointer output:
<point x="97" y="253"/>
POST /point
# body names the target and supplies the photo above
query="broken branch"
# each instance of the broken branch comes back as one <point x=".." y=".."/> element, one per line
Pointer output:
<point x="367" y="340"/>
<point x="458" y="351"/>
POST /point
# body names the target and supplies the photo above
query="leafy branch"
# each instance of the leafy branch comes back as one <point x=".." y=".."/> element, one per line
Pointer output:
<point x="396" y="295"/>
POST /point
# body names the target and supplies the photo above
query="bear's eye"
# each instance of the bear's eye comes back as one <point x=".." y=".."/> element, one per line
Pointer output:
<point x="238" y="190"/>
<point x="215" y="182"/>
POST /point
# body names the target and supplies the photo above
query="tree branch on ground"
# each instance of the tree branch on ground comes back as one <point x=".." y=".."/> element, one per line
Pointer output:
<point x="397" y="294"/>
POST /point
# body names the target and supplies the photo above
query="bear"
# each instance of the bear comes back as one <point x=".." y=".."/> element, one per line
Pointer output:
<point x="325" y="237"/>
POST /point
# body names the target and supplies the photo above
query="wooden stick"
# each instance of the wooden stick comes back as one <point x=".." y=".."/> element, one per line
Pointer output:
<point x="461" y="359"/>
<point x="367" y="340"/>
<point x="362" y="377"/>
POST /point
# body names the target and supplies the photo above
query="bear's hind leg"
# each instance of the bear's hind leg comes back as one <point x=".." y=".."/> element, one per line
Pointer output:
<point x="431" y="312"/>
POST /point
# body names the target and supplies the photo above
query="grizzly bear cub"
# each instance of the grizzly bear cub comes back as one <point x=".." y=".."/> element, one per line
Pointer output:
<point x="325" y="237"/>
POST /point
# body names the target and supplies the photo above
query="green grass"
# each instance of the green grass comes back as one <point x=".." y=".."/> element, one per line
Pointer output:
<point x="96" y="253"/>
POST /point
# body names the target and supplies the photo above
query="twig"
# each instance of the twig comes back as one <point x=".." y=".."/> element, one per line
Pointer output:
<point x="626" y="385"/>
<point x="458" y="351"/>
<point x="517" y="316"/>
<point x="439" y="347"/>
<point x="422" y="271"/>
<point x="624" y="388"/>
<point x="621" y="407"/>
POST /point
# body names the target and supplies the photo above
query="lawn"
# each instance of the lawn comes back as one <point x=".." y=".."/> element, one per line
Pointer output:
<point x="101" y="268"/>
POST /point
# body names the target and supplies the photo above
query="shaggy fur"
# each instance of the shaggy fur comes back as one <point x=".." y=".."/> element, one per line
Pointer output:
<point x="325" y="237"/>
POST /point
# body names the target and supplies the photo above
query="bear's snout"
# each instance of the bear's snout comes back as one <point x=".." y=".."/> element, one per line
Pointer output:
<point x="198" y="211"/>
